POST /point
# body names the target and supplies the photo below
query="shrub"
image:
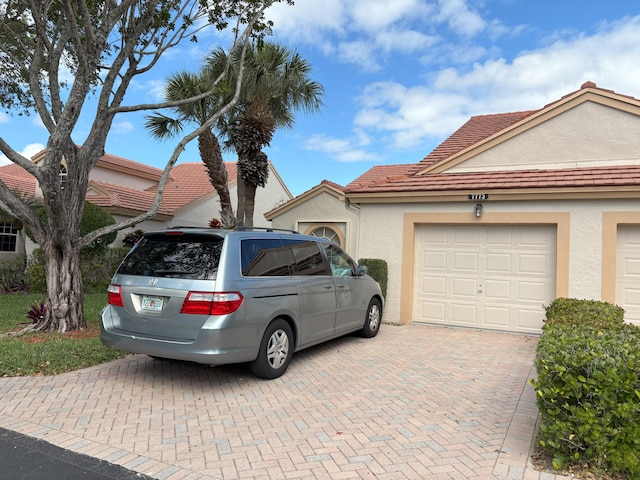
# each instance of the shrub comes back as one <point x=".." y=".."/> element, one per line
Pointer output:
<point x="98" y="267"/>
<point x="592" y="313"/>
<point x="36" y="312"/>
<point x="376" y="269"/>
<point x="588" y="388"/>
<point x="13" y="278"/>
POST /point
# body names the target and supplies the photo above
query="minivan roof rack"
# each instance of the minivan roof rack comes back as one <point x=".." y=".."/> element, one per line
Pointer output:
<point x="264" y="229"/>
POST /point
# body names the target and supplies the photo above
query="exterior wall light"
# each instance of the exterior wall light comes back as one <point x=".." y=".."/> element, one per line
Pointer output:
<point x="478" y="210"/>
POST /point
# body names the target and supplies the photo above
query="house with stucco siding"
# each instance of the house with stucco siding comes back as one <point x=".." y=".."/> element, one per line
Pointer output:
<point x="126" y="189"/>
<point x="508" y="213"/>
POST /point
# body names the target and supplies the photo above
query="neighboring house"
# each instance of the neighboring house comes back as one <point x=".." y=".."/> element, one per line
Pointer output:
<point x="510" y="212"/>
<point x="126" y="189"/>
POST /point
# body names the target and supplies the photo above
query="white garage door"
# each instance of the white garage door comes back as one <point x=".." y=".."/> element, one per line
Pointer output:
<point x="493" y="277"/>
<point x="628" y="272"/>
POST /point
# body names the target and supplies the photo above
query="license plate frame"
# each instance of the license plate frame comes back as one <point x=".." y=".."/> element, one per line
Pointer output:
<point x="152" y="303"/>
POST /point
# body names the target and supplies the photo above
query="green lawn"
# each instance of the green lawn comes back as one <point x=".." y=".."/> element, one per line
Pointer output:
<point x="49" y="353"/>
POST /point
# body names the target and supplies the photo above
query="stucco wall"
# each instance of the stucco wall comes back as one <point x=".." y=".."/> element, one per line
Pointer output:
<point x="324" y="209"/>
<point x="588" y="135"/>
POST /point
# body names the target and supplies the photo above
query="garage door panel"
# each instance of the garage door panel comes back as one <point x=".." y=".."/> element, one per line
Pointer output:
<point x="533" y="264"/>
<point x="433" y="312"/>
<point x="435" y="260"/>
<point x="465" y="261"/>
<point x="465" y="287"/>
<point x="464" y="236"/>
<point x="464" y="314"/>
<point x="497" y="289"/>
<point x="497" y="317"/>
<point x="435" y="285"/>
<point x="498" y="262"/>
<point x="537" y="292"/>
<point x="487" y="276"/>
<point x="529" y="320"/>
<point x="628" y="272"/>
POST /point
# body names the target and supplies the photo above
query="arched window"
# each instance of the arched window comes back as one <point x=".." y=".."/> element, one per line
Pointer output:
<point x="327" y="233"/>
<point x="63" y="176"/>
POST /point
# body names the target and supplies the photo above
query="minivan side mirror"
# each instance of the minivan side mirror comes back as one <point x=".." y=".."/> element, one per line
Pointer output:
<point x="362" y="270"/>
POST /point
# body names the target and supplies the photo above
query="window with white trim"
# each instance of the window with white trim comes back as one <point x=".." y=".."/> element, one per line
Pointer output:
<point x="63" y="176"/>
<point x="8" y="237"/>
<point x="328" y="233"/>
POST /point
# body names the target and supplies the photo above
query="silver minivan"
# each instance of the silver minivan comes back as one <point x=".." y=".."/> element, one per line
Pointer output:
<point x="234" y="296"/>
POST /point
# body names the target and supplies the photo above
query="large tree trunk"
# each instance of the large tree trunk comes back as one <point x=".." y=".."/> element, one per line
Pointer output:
<point x="211" y="155"/>
<point x="64" y="287"/>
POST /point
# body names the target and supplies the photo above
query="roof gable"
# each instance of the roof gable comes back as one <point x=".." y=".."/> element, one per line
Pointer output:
<point x="485" y="132"/>
<point x="325" y="186"/>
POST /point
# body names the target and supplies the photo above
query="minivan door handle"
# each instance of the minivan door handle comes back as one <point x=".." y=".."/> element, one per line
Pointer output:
<point x="327" y="286"/>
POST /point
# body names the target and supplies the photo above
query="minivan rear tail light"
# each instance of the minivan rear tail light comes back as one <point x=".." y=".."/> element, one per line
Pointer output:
<point x="211" y="303"/>
<point x="114" y="295"/>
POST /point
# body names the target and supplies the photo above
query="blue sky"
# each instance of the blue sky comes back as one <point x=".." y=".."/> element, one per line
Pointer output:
<point x="400" y="76"/>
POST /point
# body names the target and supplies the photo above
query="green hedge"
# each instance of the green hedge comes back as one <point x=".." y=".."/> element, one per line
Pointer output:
<point x="376" y="269"/>
<point x="588" y="387"/>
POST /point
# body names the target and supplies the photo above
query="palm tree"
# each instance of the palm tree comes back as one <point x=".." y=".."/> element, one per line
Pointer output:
<point x="184" y="85"/>
<point x="275" y="82"/>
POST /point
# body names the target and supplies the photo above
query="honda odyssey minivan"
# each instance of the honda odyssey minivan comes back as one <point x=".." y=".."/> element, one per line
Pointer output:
<point x="233" y="296"/>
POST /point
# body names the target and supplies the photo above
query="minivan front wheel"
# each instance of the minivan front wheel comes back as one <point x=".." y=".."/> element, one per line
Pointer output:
<point x="275" y="351"/>
<point x="372" y="319"/>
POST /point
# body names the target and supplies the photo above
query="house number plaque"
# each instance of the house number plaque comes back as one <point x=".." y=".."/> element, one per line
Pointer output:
<point x="478" y="196"/>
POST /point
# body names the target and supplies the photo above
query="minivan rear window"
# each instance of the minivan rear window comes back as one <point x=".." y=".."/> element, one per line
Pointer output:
<point x="175" y="256"/>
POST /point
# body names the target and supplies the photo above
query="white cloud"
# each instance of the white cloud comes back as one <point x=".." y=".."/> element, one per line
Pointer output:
<point x="408" y="115"/>
<point x="4" y="118"/>
<point x="344" y="150"/>
<point x="122" y="127"/>
<point x="28" y="151"/>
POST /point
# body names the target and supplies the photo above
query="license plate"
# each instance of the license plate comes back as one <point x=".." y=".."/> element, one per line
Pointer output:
<point x="152" y="303"/>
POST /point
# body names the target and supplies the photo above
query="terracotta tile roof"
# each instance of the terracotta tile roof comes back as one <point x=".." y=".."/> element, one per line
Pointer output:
<point x="628" y="175"/>
<point x="120" y="197"/>
<point x="381" y="174"/>
<point x="18" y="179"/>
<point x="189" y="183"/>
<point x="476" y="129"/>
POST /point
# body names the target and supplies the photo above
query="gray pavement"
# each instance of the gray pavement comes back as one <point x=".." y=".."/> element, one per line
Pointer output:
<point x="415" y="402"/>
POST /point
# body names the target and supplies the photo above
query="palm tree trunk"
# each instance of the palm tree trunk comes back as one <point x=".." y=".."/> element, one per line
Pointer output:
<point x="211" y="155"/>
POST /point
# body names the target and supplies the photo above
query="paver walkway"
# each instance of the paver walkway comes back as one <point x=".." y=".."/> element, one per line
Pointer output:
<point x="415" y="402"/>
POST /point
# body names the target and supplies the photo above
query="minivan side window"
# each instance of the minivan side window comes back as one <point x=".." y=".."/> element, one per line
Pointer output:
<point x="341" y="264"/>
<point x="308" y="257"/>
<point x="265" y="257"/>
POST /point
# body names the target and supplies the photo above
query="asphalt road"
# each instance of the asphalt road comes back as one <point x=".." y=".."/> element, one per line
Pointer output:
<point x="27" y="458"/>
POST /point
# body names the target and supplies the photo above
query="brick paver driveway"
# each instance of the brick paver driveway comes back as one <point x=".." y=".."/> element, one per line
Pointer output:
<point x="415" y="402"/>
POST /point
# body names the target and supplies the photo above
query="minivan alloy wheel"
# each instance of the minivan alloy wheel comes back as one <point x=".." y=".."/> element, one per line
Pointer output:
<point x="278" y="349"/>
<point x="372" y="319"/>
<point x="275" y="350"/>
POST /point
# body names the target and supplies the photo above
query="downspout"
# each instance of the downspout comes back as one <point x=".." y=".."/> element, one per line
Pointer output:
<point x="355" y="208"/>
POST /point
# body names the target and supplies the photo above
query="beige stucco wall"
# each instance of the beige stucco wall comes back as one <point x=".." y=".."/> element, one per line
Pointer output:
<point x="119" y="178"/>
<point x="387" y="230"/>
<point x="325" y="209"/>
<point x="588" y="135"/>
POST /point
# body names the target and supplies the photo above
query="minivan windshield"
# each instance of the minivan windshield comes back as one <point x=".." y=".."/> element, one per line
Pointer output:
<point x="177" y="256"/>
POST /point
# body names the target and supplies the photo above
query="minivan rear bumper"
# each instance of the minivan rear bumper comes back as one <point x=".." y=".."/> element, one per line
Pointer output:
<point x="212" y="347"/>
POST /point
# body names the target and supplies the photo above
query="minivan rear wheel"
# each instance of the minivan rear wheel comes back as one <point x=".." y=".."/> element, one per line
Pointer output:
<point x="372" y="319"/>
<point x="275" y="351"/>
